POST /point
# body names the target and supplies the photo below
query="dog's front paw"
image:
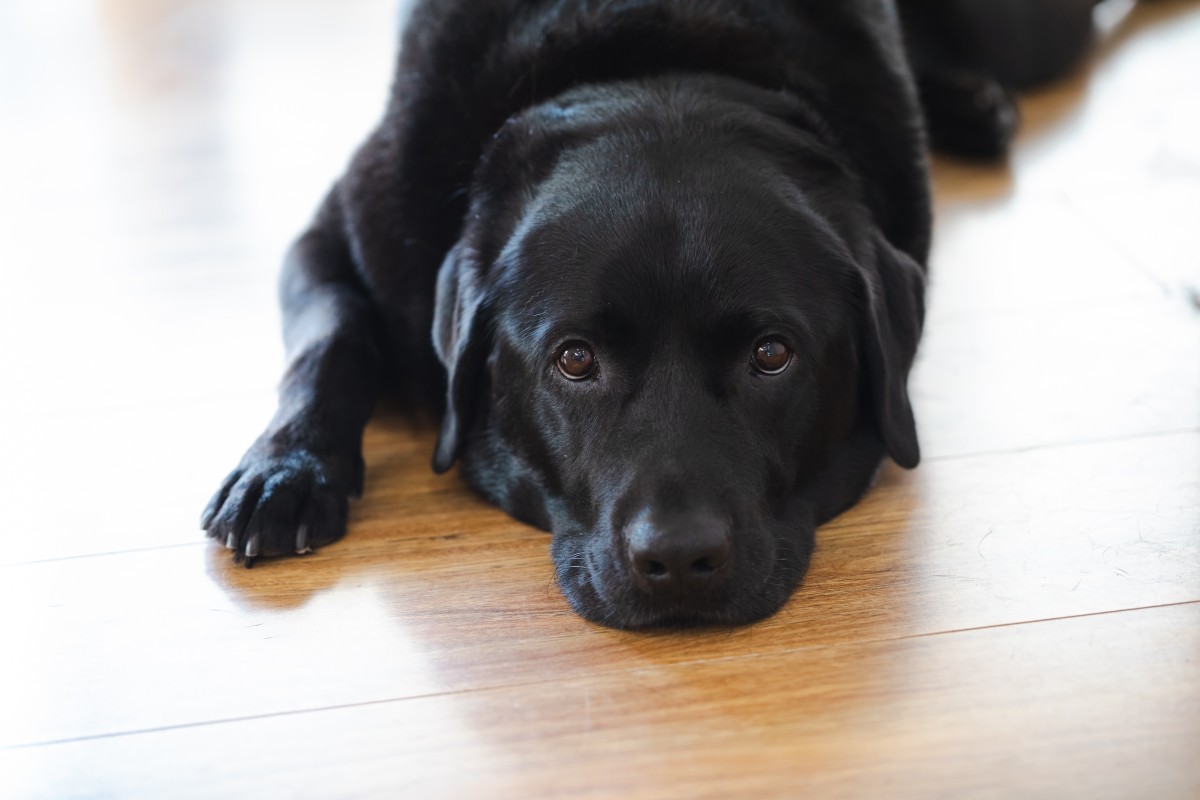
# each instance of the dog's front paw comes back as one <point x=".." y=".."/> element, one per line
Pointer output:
<point x="274" y="505"/>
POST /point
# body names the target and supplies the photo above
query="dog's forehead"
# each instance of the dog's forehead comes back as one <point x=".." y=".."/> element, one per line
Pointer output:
<point x="638" y="248"/>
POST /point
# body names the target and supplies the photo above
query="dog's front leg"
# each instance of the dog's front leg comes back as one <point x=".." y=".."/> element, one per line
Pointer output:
<point x="291" y="490"/>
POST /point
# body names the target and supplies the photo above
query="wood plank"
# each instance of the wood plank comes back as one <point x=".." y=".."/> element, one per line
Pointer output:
<point x="1105" y="706"/>
<point x="1036" y="256"/>
<point x="436" y="591"/>
<point x="1130" y="114"/>
<point x="1163" y="240"/>
<point x="1030" y="379"/>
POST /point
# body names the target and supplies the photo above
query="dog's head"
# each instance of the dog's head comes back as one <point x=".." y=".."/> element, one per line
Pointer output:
<point x="674" y="337"/>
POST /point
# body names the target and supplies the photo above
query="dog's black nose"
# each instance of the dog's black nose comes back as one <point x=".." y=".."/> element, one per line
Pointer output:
<point x="682" y="556"/>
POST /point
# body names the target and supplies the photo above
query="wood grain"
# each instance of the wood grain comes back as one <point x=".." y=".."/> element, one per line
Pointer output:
<point x="1017" y="617"/>
<point x="1000" y="712"/>
<point x="435" y="591"/>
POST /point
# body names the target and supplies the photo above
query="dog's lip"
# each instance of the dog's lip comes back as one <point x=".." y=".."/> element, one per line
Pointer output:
<point x="664" y="613"/>
<point x="718" y="612"/>
<point x="622" y="605"/>
<point x="681" y="619"/>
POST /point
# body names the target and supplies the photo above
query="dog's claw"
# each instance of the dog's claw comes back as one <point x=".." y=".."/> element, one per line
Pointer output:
<point x="280" y="505"/>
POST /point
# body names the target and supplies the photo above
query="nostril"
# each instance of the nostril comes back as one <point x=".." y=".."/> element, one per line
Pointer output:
<point x="682" y="554"/>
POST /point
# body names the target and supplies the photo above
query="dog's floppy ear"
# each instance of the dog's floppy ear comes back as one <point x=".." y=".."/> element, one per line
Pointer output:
<point x="894" y="315"/>
<point x="460" y="338"/>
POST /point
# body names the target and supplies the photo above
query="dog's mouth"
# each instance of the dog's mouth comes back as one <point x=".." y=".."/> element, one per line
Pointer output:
<point x="640" y="614"/>
<point x="646" y="615"/>
<point x="680" y="621"/>
<point x="606" y="596"/>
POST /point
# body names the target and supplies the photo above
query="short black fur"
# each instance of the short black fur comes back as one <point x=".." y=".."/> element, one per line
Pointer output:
<point x="669" y="182"/>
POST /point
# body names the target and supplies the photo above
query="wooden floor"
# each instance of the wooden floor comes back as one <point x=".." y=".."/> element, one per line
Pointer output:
<point x="1019" y="617"/>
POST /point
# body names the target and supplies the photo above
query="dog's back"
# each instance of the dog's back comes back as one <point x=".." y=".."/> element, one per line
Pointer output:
<point x="1020" y="43"/>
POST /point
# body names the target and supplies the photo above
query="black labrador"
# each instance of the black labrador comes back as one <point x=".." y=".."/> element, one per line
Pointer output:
<point x="671" y="253"/>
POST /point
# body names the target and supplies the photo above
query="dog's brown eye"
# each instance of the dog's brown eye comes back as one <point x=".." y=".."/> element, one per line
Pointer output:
<point x="576" y="361"/>
<point x="771" y="356"/>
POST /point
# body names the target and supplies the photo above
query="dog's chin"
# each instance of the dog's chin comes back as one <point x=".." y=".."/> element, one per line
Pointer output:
<point x="638" y="613"/>
<point x="627" y="608"/>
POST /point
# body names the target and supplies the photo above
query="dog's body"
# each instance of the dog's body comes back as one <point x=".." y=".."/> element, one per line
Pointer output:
<point x="671" y="253"/>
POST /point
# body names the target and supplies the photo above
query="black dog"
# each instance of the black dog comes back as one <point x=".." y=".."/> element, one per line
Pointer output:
<point x="671" y="254"/>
